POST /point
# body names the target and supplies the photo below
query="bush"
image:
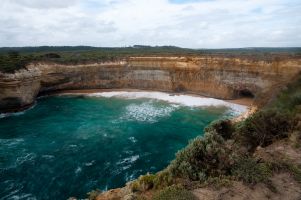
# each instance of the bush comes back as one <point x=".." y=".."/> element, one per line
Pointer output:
<point x="12" y="61"/>
<point x="296" y="172"/>
<point x="163" y="179"/>
<point x="287" y="166"/>
<point x="146" y="182"/>
<point x="263" y="127"/>
<point x="219" y="182"/>
<point x="203" y="157"/>
<point x="249" y="170"/>
<point x="51" y="55"/>
<point x="174" y="193"/>
<point x="143" y="183"/>
<point x="222" y="127"/>
<point x="290" y="98"/>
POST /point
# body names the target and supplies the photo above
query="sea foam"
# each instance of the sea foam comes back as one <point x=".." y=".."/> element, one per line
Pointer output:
<point x="184" y="100"/>
<point x="146" y="112"/>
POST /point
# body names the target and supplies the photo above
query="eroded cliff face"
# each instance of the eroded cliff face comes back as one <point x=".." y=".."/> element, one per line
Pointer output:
<point x="214" y="76"/>
<point x="18" y="91"/>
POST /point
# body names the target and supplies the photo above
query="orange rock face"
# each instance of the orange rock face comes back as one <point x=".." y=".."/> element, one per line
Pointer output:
<point x="214" y="76"/>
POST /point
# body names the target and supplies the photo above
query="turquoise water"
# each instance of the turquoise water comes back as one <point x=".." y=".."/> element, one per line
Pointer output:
<point x="68" y="145"/>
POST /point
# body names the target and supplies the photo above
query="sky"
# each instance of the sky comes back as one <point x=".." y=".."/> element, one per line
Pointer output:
<point x="120" y="23"/>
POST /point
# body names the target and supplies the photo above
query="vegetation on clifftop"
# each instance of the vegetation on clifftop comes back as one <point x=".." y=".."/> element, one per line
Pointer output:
<point x="13" y="61"/>
<point x="226" y="152"/>
<point x="86" y="54"/>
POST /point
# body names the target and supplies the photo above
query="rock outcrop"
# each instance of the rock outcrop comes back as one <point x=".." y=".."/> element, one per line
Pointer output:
<point x="18" y="91"/>
<point x="214" y="76"/>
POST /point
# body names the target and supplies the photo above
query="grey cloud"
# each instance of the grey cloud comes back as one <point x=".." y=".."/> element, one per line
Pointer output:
<point x="213" y="24"/>
<point x="45" y="4"/>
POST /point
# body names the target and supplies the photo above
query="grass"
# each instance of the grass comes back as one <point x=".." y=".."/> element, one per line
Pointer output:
<point x="174" y="193"/>
<point x="296" y="171"/>
<point x="251" y="171"/>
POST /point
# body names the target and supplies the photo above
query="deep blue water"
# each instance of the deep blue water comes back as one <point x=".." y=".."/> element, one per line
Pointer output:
<point x="68" y="145"/>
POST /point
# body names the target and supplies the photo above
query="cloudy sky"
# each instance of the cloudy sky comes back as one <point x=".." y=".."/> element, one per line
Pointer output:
<point x="185" y="23"/>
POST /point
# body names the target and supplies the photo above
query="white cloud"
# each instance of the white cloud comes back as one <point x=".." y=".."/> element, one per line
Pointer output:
<point x="196" y="24"/>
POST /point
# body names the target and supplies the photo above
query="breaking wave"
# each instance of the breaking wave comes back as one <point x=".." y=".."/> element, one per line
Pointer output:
<point x="184" y="100"/>
<point x="146" y="112"/>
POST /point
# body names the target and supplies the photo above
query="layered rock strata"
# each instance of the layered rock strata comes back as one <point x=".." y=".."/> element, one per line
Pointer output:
<point x="214" y="76"/>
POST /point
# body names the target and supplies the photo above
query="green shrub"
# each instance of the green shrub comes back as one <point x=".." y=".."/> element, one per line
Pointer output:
<point x="134" y="186"/>
<point x="163" y="179"/>
<point x="295" y="171"/>
<point x="13" y="61"/>
<point x="290" y="98"/>
<point x="287" y="166"/>
<point x="222" y="127"/>
<point x="249" y="170"/>
<point x="143" y="183"/>
<point x="263" y="127"/>
<point x="146" y="182"/>
<point x="174" y="193"/>
<point x="203" y="157"/>
<point x="219" y="182"/>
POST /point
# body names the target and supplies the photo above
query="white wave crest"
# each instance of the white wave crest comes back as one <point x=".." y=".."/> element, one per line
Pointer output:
<point x="23" y="196"/>
<point x="128" y="160"/>
<point x="78" y="170"/>
<point x="11" y="142"/>
<point x="185" y="100"/>
<point x="28" y="157"/>
<point x="133" y="139"/>
<point x="88" y="164"/>
<point x="146" y="112"/>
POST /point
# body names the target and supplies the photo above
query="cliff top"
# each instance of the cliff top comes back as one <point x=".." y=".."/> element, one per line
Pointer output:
<point x="15" y="58"/>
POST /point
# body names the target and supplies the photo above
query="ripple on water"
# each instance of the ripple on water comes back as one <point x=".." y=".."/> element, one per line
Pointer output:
<point x="13" y="191"/>
<point x="126" y="163"/>
<point x="78" y="170"/>
<point x="28" y="157"/>
<point x="88" y="164"/>
<point x="22" y="196"/>
<point x="48" y="157"/>
<point x="74" y="143"/>
<point x="146" y="112"/>
<point x="11" y="142"/>
<point x="133" y="139"/>
<point x="131" y="159"/>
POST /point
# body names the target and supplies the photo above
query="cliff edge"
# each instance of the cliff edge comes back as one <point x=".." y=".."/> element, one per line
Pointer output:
<point x="214" y="76"/>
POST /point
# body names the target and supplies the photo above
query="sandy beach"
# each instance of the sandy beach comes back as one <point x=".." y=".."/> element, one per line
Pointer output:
<point x="241" y="101"/>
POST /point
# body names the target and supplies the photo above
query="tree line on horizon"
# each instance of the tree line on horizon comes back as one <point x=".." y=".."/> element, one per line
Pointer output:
<point x="15" y="58"/>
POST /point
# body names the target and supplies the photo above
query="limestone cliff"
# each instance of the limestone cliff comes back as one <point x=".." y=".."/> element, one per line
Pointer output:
<point x="18" y="91"/>
<point x="215" y="76"/>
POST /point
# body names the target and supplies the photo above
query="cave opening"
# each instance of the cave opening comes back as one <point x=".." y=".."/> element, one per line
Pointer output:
<point x="245" y="93"/>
